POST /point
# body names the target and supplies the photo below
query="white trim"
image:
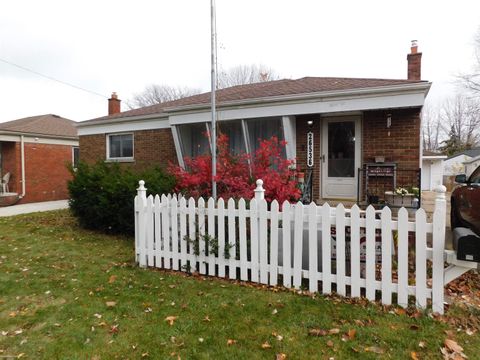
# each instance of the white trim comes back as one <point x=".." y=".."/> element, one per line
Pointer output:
<point x="38" y="140"/>
<point x="119" y="159"/>
<point x="317" y="106"/>
<point x="178" y="146"/>
<point x="433" y="157"/>
<point x="422" y="87"/>
<point x="290" y="136"/>
<point x="125" y="126"/>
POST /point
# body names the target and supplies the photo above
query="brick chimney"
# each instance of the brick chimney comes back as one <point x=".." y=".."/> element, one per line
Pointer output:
<point x="414" y="62"/>
<point x="114" y="104"/>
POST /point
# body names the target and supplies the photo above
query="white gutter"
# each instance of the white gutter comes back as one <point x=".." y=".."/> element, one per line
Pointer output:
<point x="22" y="151"/>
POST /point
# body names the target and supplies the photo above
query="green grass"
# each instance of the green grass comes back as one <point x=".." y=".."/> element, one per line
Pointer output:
<point x="56" y="278"/>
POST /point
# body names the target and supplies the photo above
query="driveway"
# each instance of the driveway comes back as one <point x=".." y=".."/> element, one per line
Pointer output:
<point x="33" y="207"/>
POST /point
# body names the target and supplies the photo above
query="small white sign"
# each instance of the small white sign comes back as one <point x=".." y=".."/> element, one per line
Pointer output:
<point x="310" y="149"/>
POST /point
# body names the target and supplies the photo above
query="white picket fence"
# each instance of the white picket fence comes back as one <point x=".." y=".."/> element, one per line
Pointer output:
<point x="259" y="242"/>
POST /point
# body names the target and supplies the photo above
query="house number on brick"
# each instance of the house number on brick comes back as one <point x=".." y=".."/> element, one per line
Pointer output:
<point x="310" y="149"/>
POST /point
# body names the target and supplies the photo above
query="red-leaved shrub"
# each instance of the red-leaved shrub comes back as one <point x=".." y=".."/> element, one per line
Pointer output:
<point x="235" y="177"/>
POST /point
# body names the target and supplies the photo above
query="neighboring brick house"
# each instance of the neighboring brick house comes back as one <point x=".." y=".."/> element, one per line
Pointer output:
<point x="350" y="122"/>
<point x="35" y="152"/>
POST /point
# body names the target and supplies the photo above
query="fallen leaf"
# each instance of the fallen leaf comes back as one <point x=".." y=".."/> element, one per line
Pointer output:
<point x="281" y="356"/>
<point x="400" y="311"/>
<point x="317" y="332"/>
<point x="334" y="331"/>
<point x="414" y="327"/>
<point x="110" y="303"/>
<point x="351" y="333"/>
<point x="98" y="316"/>
<point x="200" y="340"/>
<point x="330" y="343"/>
<point x="113" y="329"/>
<point x="231" y="342"/>
<point x="170" y="319"/>
<point x="374" y="349"/>
<point x="206" y="318"/>
<point x="266" y="345"/>
<point x="413" y="355"/>
<point x="422" y="344"/>
<point x="453" y="346"/>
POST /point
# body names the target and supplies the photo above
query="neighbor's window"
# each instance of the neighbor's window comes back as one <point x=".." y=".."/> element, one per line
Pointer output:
<point x="75" y="156"/>
<point x="120" y="146"/>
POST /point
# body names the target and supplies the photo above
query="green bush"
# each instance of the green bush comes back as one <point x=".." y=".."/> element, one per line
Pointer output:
<point x="102" y="195"/>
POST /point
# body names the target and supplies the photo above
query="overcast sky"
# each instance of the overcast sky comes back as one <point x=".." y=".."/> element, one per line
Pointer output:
<point x="122" y="46"/>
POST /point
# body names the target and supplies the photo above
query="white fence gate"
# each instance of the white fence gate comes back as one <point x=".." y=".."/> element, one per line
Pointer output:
<point x="359" y="253"/>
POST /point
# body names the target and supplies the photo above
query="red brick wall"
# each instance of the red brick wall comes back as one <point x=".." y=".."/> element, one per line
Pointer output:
<point x="46" y="170"/>
<point x="151" y="147"/>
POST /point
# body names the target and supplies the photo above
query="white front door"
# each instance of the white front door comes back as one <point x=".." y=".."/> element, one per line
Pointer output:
<point x="341" y="150"/>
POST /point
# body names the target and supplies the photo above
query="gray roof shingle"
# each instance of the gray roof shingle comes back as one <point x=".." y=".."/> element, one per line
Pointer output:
<point x="49" y="124"/>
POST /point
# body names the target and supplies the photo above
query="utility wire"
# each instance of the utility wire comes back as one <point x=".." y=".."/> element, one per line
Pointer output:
<point x="51" y="78"/>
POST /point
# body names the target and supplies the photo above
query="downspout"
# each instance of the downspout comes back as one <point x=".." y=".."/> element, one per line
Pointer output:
<point x="22" y="154"/>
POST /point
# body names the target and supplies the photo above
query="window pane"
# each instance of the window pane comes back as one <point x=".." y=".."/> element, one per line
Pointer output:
<point x="76" y="156"/>
<point x="115" y="146"/>
<point x="264" y="129"/>
<point x="194" y="139"/>
<point x="127" y="145"/>
<point x="121" y="146"/>
<point x="341" y="149"/>
<point x="233" y="129"/>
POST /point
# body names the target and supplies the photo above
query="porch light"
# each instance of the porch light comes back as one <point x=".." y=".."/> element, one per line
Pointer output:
<point x="310" y="123"/>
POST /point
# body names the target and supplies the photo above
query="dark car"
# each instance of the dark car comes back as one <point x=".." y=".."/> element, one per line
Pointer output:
<point x="465" y="210"/>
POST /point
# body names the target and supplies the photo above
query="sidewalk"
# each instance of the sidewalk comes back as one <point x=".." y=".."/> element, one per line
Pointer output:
<point x="33" y="207"/>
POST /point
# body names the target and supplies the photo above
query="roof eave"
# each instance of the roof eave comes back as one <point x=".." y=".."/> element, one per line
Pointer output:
<point x="46" y="136"/>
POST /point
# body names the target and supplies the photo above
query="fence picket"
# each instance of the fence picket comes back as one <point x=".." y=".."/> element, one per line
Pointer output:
<point x="221" y="237"/>
<point x="263" y="241"/>
<point x="174" y="235"/>
<point x="340" y="237"/>
<point x="254" y="240"/>
<point x="142" y="246"/>
<point x="326" y="250"/>
<point x="421" y="259"/>
<point x="201" y="237"/>
<point x="232" y="269"/>
<point x="192" y="233"/>
<point x="312" y="248"/>
<point x="166" y="232"/>
<point x="370" y="253"/>
<point x="274" y="243"/>
<point x="355" y="251"/>
<point x="242" y="229"/>
<point x="297" y="245"/>
<point x="286" y="244"/>
<point x="149" y="233"/>
<point x="158" y="233"/>
<point x="402" y="257"/>
<point x="211" y="236"/>
<point x="183" y="233"/>
<point x="438" y="250"/>
<point x="386" y="256"/>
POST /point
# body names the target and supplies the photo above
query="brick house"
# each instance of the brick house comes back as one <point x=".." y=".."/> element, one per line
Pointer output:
<point x="34" y="153"/>
<point x="341" y="124"/>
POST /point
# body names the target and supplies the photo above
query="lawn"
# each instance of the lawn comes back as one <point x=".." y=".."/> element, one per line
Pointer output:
<point x="67" y="293"/>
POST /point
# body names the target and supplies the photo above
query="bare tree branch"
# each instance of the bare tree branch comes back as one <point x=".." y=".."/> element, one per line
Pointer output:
<point x="431" y="129"/>
<point x="460" y="119"/>
<point x="245" y="74"/>
<point x="155" y="94"/>
<point x="471" y="81"/>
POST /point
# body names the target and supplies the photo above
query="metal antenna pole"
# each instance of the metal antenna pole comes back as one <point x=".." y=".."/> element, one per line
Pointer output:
<point x="213" y="89"/>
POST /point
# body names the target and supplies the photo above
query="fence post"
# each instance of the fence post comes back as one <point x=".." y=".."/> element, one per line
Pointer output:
<point x="259" y="190"/>
<point x="439" y="223"/>
<point x="140" y="202"/>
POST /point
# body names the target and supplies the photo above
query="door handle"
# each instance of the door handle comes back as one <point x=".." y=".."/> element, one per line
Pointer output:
<point x="323" y="158"/>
